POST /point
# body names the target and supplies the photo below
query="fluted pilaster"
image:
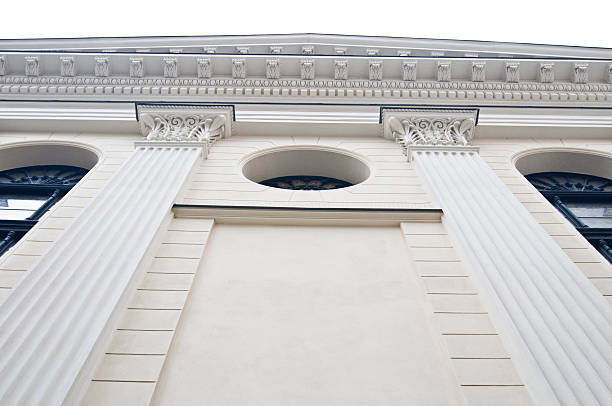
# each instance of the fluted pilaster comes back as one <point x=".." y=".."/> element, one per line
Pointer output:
<point x="55" y="316"/>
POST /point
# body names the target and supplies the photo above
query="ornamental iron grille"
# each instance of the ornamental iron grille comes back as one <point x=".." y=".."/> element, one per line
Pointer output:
<point x="29" y="192"/>
<point x="302" y="182"/>
<point x="585" y="200"/>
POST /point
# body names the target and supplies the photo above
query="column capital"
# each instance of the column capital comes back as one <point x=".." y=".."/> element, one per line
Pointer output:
<point x="184" y="125"/>
<point x="430" y="129"/>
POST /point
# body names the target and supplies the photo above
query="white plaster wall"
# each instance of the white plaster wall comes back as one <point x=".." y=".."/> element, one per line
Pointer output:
<point x="393" y="182"/>
<point x="500" y="155"/>
<point x="114" y="149"/>
<point x="306" y="315"/>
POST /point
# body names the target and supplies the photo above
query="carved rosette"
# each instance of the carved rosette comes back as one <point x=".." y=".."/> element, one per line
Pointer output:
<point x="166" y="125"/>
<point x="446" y="130"/>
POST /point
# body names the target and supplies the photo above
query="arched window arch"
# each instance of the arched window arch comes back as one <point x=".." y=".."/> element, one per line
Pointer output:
<point x="585" y="200"/>
<point x="27" y="193"/>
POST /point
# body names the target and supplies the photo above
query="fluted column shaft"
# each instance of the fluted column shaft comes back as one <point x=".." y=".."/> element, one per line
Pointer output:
<point x="56" y="314"/>
<point x="549" y="308"/>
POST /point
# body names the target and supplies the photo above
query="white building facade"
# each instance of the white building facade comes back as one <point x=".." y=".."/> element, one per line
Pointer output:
<point x="304" y="219"/>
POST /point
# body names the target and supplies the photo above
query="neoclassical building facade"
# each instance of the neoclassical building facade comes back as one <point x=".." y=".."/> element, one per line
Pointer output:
<point x="304" y="220"/>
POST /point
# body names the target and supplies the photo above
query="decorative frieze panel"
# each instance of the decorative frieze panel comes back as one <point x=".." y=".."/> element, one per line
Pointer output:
<point x="32" y="67"/>
<point x="204" y="68"/>
<point x="409" y="71"/>
<point x="547" y="73"/>
<point x="581" y="73"/>
<point x="170" y="67"/>
<point x="272" y="69"/>
<point x="102" y="67"/>
<point x="512" y="72"/>
<point x="478" y="72"/>
<point x="184" y="124"/>
<point x="136" y="67"/>
<point x="444" y="72"/>
<point x="581" y="82"/>
<point x="67" y="66"/>
<point x="307" y="69"/>
<point x="2" y="65"/>
<point x="376" y="70"/>
<point x="238" y="68"/>
<point x="341" y="70"/>
<point x="439" y="129"/>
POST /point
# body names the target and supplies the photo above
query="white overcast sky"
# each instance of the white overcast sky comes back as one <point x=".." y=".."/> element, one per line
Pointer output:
<point x="569" y="22"/>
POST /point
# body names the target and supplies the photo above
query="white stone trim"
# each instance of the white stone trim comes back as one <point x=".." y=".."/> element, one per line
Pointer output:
<point x="558" y="324"/>
<point x="59" y="310"/>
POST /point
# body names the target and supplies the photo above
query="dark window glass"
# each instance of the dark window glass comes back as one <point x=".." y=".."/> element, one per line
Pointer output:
<point x="27" y="193"/>
<point x="301" y="182"/>
<point x="585" y="200"/>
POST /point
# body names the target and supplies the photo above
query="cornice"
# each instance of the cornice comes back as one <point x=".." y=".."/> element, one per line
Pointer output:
<point x="167" y="77"/>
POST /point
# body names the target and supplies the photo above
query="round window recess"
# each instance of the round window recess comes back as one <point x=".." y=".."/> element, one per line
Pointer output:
<point x="306" y="169"/>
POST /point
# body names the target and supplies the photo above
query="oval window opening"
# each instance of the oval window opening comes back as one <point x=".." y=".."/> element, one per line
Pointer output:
<point x="306" y="169"/>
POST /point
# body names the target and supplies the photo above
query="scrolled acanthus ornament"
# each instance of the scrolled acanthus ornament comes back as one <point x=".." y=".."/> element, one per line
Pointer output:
<point x="184" y="127"/>
<point x="435" y="129"/>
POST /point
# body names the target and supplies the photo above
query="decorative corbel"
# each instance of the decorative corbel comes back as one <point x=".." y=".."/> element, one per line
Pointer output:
<point x="436" y="130"/>
<point x="176" y="126"/>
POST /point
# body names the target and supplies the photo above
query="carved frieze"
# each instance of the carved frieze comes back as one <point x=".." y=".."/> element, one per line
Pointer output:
<point x="272" y="69"/>
<point x="478" y="71"/>
<point x="308" y="50"/>
<point x="416" y="128"/>
<point x="547" y="73"/>
<point x="67" y="66"/>
<point x="210" y="50"/>
<point x="238" y="68"/>
<point x="372" y="52"/>
<point x="102" y="66"/>
<point x="136" y="67"/>
<point x="204" y="68"/>
<point x="376" y="70"/>
<point x="512" y="72"/>
<point x="32" y="67"/>
<point x="444" y="72"/>
<point x="170" y="67"/>
<point x="409" y="71"/>
<point x="340" y="70"/>
<point x="173" y="125"/>
<point x="581" y="73"/>
<point x="307" y="69"/>
<point x="276" y="50"/>
<point x="2" y="65"/>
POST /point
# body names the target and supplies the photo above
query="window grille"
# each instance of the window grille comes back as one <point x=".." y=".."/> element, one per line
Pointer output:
<point x="585" y="200"/>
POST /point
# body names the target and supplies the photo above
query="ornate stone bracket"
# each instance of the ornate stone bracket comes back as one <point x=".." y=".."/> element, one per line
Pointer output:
<point x="435" y="130"/>
<point x="175" y="125"/>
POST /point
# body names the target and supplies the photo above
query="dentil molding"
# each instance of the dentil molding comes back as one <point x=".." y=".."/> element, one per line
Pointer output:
<point x="143" y="76"/>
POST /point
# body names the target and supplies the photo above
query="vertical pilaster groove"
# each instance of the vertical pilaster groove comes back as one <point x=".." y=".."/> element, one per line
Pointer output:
<point x="52" y="321"/>
<point x="561" y="318"/>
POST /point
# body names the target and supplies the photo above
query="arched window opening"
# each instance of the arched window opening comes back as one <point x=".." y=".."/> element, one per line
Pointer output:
<point x="585" y="200"/>
<point x="29" y="192"/>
